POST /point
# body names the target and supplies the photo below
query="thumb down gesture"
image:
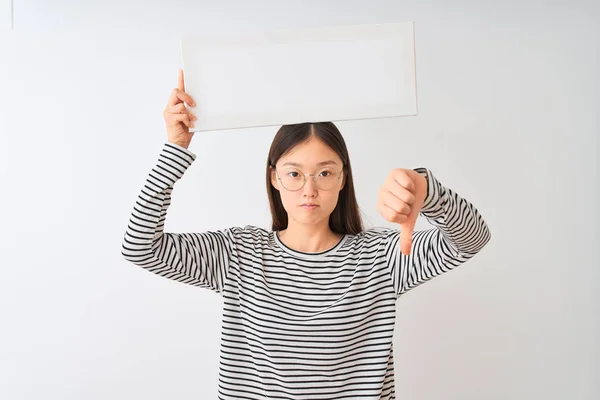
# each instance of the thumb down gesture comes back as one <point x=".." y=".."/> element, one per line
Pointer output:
<point x="401" y="198"/>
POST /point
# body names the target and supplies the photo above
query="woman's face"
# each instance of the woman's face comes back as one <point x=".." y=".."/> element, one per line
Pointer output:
<point x="311" y="204"/>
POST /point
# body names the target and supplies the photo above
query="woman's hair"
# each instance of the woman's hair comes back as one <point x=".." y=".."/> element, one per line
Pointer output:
<point x="345" y="218"/>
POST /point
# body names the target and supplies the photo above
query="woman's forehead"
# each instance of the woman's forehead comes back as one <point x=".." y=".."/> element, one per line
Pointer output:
<point x="313" y="153"/>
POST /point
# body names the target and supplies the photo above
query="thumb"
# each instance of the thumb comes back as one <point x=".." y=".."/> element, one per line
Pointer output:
<point x="406" y="239"/>
<point x="180" y="81"/>
<point x="408" y="226"/>
<point x="407" y="229"/>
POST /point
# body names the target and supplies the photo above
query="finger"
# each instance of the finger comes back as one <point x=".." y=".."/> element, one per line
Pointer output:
<point x="181" y="109"/>
<point x="173" y="99"/>
<point x="400" y="192"/>
<point x="185" y="119"/>
<point x="404" y="180"/>
<point x="406" y="236"/>
<point x="176" y="118"/>
<point x="179" y="96"/>
<point x="393" y="202"/>
<point x="391" y="215"/>
<point x="408" y="227"/>
<point x="178" y="108"/>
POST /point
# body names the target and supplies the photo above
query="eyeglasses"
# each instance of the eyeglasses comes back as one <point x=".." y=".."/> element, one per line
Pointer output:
<point x="294" y="179"/>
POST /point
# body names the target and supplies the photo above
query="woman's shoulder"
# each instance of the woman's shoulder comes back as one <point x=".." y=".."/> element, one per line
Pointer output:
<point x="251" y="233"/>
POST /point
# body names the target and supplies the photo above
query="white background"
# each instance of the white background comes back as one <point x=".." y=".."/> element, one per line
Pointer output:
<point x="508" y="96"/>
<point x="5" y="14"/>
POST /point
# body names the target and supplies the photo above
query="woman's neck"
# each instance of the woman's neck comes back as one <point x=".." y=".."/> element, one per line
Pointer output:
<point x="309" y="238"/>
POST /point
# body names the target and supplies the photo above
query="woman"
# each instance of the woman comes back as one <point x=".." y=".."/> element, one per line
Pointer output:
<point x="309" y="306"/>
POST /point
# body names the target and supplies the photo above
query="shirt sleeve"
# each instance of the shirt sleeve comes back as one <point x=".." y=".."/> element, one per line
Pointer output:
<point x="459" y="233"/>
<point x="199" y="259"/>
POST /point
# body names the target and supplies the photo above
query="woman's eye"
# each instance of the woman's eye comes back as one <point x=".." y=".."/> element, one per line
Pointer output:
<point x="325" y="174"/>
<point x="293" y="174"/>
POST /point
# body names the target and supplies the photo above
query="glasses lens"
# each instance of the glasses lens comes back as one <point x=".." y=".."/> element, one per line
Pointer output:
<point x="292" y="179"/>
<point x="326" y="180"/>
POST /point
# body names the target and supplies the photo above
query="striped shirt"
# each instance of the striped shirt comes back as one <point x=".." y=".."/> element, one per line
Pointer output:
<point x="301" y="325"/>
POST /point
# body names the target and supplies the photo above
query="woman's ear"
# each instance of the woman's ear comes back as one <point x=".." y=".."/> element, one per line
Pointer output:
<point x="274" y="178"/>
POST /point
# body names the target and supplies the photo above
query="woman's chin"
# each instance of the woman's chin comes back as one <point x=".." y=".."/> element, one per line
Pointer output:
<point x="302" y="218"/>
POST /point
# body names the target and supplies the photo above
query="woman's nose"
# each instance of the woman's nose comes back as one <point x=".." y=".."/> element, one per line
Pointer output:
<point x="309" y="186"/>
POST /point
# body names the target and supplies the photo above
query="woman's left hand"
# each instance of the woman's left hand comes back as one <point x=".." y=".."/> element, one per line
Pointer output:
<point x="401" y="198"/>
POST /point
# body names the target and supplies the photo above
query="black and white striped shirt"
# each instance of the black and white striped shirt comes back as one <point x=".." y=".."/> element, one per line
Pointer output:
<point x="301" y="325"/>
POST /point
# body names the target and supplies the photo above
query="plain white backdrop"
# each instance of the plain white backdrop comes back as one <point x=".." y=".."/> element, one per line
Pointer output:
<point x="508" y="100"/>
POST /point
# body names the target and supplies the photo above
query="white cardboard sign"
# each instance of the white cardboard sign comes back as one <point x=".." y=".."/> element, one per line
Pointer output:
<point x="305" y="75"/>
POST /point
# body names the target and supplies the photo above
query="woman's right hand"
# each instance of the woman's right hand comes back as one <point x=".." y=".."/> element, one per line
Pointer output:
<point x="178" y="118"/>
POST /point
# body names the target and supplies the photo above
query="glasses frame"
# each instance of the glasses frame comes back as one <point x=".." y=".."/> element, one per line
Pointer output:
<point x="314" y="178"/>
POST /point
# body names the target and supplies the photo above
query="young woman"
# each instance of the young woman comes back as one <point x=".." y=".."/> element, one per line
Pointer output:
<point x="309" y="306"/>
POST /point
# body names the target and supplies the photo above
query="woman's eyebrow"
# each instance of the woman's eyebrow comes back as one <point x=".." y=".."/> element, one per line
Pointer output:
<point x="322" y="163"/>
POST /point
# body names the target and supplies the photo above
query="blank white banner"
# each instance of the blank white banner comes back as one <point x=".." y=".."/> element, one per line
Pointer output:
<point x="283" y="77"/>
